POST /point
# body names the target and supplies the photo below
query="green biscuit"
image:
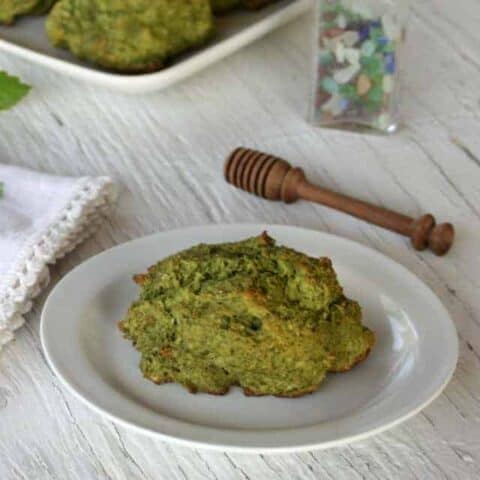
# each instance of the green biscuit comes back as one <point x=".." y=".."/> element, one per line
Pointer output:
<point x="11" y="9"/>
<point x="267" y="318"/>
<point x="129" y="35"/>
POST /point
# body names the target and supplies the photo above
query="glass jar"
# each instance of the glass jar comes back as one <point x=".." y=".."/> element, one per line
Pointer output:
<point x="358" y="44"/>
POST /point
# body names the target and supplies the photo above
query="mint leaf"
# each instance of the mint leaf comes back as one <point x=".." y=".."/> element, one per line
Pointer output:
<point x="1" y="189"/>
<point x="12" y="90"/>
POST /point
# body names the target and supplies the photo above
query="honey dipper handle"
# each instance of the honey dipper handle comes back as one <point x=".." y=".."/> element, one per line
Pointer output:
<point x="371" y="213"/>
<point x="422" y="232"/>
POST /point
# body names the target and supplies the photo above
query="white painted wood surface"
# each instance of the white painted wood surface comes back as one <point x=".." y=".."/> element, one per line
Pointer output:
<point x="167" y="150"/>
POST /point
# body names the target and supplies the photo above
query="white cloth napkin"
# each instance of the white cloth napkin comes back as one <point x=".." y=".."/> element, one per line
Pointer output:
<point x="42" y="217"/>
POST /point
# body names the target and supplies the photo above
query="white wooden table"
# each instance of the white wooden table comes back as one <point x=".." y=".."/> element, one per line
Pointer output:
<point x="167" y="149"/>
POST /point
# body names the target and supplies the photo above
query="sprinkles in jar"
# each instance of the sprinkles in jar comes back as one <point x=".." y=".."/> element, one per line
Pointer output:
<point x="358" y="47"/>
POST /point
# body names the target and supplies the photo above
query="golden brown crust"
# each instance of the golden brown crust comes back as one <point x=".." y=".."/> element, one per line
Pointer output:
<point x="219" y="392"/>
<point x="159" y="382"/>
<point x="265" y="239"/>
<point x="325" y="261"/>
<point x="299" y="393"/>
<point x="140" y="278"/>
<point x="190" y="388"/>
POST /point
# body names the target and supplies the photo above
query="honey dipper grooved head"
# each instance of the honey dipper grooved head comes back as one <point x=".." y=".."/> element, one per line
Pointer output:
<point x="261" y="174"/>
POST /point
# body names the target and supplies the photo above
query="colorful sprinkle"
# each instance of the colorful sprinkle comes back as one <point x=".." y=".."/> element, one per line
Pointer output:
<point x="375" y="94"/>
<point x="325" y="57"/>
<point x="368" y="48"/>
<point x="333" y="105"/>
<point x="344" y="103"/>
<point x="363" y="84"/>
<point x="341" y="21"/>
<point x="356" y="64"/>
<point x="340" y="52"/>
<point x="329" y="85"/>
<point x="382" y="41"/>
<point x="346" y="74"/>
<point x="349" y="38"/>
<point x="388" y="83"/>
<point x="371" y="65"/>
<point x="389" y="62"/>
<point x="350" y="92"/>
<point x="352" y="55"/>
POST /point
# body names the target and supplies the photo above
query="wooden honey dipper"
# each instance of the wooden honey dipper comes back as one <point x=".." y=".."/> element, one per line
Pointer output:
<point x="275" y="179"/>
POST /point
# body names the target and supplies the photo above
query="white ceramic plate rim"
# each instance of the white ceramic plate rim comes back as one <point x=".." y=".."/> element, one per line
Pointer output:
<point x="150" y="82"/>
<point x="396" y="418"/>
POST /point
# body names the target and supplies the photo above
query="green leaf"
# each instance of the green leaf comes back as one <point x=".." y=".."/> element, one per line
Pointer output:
<point x="12" y="90"/>
<point x="1" y="189"/>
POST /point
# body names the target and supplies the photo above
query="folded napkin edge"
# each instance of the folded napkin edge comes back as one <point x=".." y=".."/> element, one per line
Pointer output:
<point x="81" y="216"/>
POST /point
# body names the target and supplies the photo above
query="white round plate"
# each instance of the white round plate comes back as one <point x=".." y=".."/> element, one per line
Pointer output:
<point x="413" y="360"/>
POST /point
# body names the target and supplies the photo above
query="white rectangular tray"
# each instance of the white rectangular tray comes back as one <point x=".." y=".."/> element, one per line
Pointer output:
<point x="27" y="39"/>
